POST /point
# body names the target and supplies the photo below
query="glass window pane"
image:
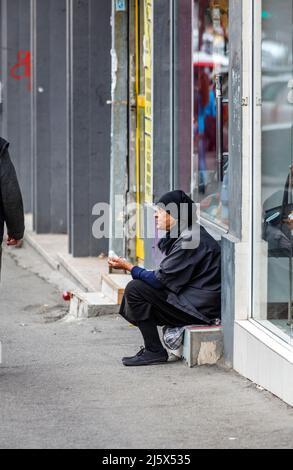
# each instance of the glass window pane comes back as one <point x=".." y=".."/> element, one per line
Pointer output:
<point x="210" y="58"/>
<point x="273" y="174"/>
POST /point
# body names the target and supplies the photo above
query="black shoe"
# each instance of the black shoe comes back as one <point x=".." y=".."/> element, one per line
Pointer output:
<point x="146" y="358"/>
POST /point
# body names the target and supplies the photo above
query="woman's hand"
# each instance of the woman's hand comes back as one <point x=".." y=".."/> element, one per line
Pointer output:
<point x="120" y="263"/>
<point x="12" y="242"/>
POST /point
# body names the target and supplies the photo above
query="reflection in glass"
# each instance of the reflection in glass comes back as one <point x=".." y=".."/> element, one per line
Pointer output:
<point x="210" y="58"/>
<point x="274" y="259"/>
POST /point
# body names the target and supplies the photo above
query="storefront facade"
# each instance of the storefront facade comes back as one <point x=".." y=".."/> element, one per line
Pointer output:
<point x="210" y="93"/>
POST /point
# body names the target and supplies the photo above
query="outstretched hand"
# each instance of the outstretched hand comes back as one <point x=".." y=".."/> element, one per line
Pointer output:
<point x="120" y="263"/>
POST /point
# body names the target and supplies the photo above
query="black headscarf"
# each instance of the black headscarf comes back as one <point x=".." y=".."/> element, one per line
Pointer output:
<point x="185" y="216"/>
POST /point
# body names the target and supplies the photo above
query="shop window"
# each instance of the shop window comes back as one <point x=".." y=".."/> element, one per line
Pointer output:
<point x="273" y="166"/>
<point x="210" y="163"/>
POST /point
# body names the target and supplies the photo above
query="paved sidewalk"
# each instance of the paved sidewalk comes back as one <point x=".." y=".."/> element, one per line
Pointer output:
<point x="62" y="385"/>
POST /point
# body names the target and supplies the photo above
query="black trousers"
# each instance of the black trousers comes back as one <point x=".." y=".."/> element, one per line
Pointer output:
<point x="146" y="307"/>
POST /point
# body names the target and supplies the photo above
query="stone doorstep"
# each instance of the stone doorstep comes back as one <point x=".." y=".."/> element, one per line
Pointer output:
<point x="202" y="345"/>
<point x="88" y="305"/>
<point x="113" y="286"/>
<point x="105" y="302"/>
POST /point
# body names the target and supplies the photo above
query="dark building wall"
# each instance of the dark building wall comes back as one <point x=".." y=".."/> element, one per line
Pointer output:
<point x="89" y="145"/>
<point x="49" y="116"/>
<point x="162" y="96"/>
<point x="182" y="94"/>
<point x="57" y="120"/>
<point x="15" y="68"/>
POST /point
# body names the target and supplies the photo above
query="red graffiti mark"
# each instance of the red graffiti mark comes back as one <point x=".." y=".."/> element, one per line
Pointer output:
<point x="23" y="68"/>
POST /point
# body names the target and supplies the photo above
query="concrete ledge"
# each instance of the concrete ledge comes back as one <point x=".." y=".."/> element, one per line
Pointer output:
<point x="36" y="245"/>
<point x="77" y="269"/>
<point x="89" y="305"/>
<point x="202" y="345"/>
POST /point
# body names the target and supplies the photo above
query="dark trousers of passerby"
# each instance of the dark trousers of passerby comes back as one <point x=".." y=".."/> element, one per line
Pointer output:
<point x="147" y="308"/>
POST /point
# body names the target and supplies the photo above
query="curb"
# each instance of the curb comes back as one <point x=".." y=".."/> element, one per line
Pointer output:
<point x="36" y="246"/>
<point x="63" y="264"/>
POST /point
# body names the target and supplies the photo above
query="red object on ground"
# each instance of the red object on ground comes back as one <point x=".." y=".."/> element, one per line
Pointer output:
<point x="67" y="296"/>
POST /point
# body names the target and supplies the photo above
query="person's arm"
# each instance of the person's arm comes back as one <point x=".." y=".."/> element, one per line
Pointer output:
<point x="11" y="199"/>
<point x="137" y="273"/>
<point x="147" y="276"/>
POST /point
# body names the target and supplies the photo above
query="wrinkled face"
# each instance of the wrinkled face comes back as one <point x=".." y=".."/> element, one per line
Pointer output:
<point x="164" y="221"/>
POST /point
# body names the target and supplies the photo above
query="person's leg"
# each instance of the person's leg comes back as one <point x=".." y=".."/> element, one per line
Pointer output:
<point x="124" y="311"/>
<point x="137" y="310"/>
<point x="147" y="308"/>
<point x="149" y="331"/>
<point x="138" y="301"/>
<point x="142" y="302"/>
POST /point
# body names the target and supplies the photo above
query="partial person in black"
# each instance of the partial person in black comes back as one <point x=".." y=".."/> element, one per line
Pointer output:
<point x="184" y="290"/>
<point x="11" y="205"/>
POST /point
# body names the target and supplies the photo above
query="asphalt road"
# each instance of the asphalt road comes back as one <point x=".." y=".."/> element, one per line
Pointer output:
<point x="62" y="384"/>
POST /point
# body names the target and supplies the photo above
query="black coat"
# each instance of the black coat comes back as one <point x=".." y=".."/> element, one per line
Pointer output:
<point x="192" y="277"/>
<point x="11" y="205"/>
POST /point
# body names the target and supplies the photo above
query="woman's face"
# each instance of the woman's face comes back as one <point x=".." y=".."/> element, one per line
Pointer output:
<point x="164" y="221"/>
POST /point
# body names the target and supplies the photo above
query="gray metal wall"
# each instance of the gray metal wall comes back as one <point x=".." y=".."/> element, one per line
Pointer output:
<point x="16" y="122"/>
<point x="49" y="112"/>
<point x="88" y="89"/>
<point x="60" y="130"/>
<point x="162" y="98"/>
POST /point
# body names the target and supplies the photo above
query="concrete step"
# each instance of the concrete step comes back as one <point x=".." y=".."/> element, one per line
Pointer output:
<point x="113" y="286"/>
<point x="85" y="272"/>
<point x="202" y="345"/>
<point x="105" y="302"/>
<point x="91" y="304"/>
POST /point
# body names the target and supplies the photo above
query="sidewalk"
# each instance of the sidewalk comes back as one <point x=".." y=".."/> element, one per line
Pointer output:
<point x="62" y="385"/>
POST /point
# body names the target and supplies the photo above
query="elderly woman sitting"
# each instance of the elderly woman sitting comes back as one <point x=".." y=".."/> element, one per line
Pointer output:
<point x="184" y="290"/>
